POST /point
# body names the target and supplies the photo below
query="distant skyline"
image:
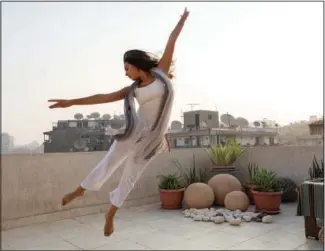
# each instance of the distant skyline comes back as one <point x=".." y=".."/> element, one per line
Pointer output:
<point x="252" y="59"/>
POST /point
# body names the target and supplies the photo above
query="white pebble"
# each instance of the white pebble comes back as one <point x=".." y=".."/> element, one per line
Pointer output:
<point x="247" y="218"/>
<point x="219" y="219"/>
<point x="267" y="219"/>
<point x="229" y="218"/>
<point x="235" y="222"/>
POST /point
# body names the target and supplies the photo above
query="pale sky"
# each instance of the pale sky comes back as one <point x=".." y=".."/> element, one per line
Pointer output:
<point x="254" y="60"/>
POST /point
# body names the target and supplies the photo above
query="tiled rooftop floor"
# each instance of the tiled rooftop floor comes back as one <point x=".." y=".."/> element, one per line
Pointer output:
<point x="151" y="228"/>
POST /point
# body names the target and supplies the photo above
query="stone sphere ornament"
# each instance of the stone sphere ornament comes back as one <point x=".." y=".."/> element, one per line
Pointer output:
<point x="237" y="200"/>
<point x="222" y="184"/>
<point x="198" y="195"/>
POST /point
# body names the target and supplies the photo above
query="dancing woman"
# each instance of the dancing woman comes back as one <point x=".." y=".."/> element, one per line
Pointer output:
<point x="144" y="136"/>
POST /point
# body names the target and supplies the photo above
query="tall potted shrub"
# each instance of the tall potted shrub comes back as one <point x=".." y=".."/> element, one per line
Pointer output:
<point x="192" y="174"/>
<point x="224" y="156"/>
<point x="171" y="191"/>
<point x="250" y="185"/>
<point x="267" y="194"/>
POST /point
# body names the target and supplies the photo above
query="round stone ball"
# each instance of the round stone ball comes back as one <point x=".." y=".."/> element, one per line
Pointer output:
<point x="222" y="184"/>
<point x="236" y="200"/>
<point x="198" y="195"/>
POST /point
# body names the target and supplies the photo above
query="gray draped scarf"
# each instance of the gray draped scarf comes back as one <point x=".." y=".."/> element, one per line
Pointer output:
<point x="155" y="141"/>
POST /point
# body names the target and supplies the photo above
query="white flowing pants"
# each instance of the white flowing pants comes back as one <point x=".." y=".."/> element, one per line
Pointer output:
<point x="119" y="153"/>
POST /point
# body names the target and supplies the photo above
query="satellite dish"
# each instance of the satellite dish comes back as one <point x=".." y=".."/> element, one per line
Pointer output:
<point x="95" y="115"/>
<point x="241" y="122"/>
<point x="176" y="125"/>
<point x="257" y="124"/>
<point x="80" y="144"/>
<point x="203" y="124"/>
<point x="78" y="116"/>
<point x="106" y="116"/>
<point x="227" y="119"/>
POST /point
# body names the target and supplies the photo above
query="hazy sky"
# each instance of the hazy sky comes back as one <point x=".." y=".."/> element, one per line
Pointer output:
<point x="255" y="60"/>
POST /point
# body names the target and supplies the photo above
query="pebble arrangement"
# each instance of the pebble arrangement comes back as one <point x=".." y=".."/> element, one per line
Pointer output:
<point x="222" y="215"/>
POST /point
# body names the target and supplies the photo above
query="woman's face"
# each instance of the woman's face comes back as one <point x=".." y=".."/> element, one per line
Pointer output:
<point x="131" y="71"/>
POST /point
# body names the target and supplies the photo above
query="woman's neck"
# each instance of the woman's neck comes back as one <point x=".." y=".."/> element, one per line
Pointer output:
<point x="146" y="80"/>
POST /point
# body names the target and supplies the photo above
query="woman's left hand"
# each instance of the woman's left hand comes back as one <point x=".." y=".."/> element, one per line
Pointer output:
<point x="180" y="24"/>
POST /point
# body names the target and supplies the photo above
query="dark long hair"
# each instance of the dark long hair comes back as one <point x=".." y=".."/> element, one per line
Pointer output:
<point x="143" y="60"/>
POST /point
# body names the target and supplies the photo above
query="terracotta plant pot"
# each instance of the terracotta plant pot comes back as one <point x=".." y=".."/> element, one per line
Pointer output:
<point x="268" y="202"/>
<point x="248" y="190"/>
<point x="218" y="169"/>
<point x="171" y="199"/>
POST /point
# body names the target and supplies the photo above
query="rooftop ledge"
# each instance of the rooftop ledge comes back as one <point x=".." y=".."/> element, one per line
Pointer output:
<point x="33" y="185"/>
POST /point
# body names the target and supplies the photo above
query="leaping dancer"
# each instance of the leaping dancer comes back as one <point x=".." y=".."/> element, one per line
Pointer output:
<point x="144" y="137"/>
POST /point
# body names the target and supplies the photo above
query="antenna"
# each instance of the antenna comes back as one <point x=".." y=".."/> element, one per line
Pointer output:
<point x="192" y="105"/>
<point x="182" y="116"/>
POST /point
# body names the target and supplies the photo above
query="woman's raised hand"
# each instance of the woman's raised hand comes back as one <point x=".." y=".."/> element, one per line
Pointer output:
<point x="60" y="103"/>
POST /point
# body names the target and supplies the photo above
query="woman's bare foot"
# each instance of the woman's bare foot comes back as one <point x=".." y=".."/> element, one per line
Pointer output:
<point x="109" y="225"/>
<point x="71" y="196"/>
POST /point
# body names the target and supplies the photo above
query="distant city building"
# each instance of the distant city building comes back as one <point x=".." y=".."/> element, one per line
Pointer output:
<point x="200" y="119"/>
<point x="202" y="128"/>
<point x="205" y="137"/>
<point x="78" y="136"/>
<point x="7" y="142"/>
<point x="317" y="127"/>
<point x="316" y="137"/>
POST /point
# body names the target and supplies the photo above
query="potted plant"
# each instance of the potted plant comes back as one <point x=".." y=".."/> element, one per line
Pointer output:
<point x="171" y="191"/>
<point x="224" y="156"/>
<point x="267" y="194"/>
<point x="250" y="185"/>
<point x="193" y="174"/>
<point x="316" y="171"/>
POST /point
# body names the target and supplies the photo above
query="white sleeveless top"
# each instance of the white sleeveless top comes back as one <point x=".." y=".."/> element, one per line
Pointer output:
<point x="149" y="98"/>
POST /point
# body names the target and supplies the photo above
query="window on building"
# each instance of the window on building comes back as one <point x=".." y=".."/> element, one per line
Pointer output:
<point x="209" y="116"/>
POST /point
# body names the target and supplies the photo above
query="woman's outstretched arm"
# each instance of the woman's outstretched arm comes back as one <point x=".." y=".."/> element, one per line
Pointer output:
<point x="167" y="58"/>
<point x="91" y="100"/>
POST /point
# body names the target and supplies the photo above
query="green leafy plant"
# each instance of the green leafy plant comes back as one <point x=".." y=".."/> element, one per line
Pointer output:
<point x="252" y="171"/>
<point x="226" y="154"/>
<point x="193" y="174"/>
<point x="266" y="181"/>
<point x="169" y="182"/>
<point x="316" y="171"/>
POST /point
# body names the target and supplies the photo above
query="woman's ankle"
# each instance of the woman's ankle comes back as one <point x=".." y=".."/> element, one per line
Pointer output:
<point x="80" y="190"/>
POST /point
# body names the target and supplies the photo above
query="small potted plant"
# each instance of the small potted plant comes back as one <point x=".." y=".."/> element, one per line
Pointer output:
<point x="250" y="185"/>
<point x="267" y="194"/>
<point x="171" y="191"/>
<point x="224" y="156"/>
